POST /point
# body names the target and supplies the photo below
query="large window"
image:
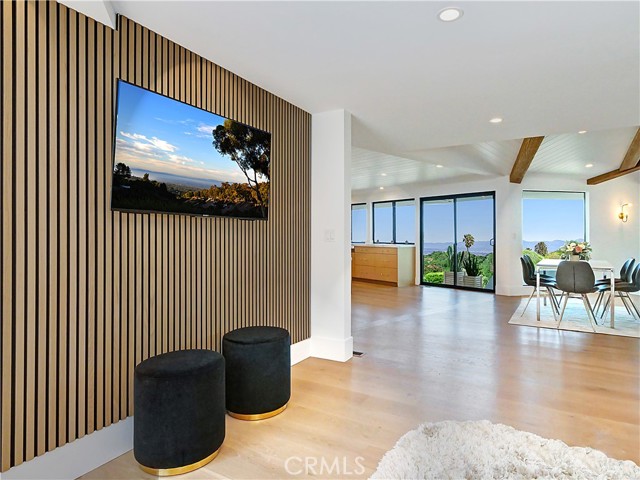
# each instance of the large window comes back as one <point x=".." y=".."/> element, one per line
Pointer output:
<point x="358" y="223"/>
<point x="551" y="218"/>
<point x="394" y="222"/>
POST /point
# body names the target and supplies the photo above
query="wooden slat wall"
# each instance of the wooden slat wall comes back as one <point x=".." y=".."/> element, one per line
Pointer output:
<point x="87" y="293"/>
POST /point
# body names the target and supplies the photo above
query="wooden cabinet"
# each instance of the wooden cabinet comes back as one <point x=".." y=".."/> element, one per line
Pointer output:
<point x="394" y="264"/>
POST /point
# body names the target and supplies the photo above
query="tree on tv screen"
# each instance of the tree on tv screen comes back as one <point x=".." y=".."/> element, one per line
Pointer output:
<point x="250" y="149"/>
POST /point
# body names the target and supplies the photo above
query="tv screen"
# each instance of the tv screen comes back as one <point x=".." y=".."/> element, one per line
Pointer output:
<point x="170" y="157"/>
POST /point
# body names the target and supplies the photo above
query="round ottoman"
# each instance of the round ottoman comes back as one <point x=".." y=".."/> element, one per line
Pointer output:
<point x="258" y="371"/>
<point x="179" y="416"/>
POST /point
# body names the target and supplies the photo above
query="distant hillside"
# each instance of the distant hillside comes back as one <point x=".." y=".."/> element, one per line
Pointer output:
<point x="481" y="247"/>
<point x="484" y="247"/>
<point x="552" y="245"/>
<point x="176" y="183"/>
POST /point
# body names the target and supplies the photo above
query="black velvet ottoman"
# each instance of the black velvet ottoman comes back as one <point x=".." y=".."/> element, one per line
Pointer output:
<point x="258" y="371"/>
<point x="178" y="423"/>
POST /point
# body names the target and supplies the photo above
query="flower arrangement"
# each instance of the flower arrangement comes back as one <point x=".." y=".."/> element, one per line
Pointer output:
<point x="573" y="247"/>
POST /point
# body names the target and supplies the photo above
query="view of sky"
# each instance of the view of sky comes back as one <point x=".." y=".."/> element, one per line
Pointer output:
<point x="552" y="219"/>
<point x="405" y="222"/>
<point x="156" y="134"/>
<point x="474" y="215"/>
<point x="359" y="224"/>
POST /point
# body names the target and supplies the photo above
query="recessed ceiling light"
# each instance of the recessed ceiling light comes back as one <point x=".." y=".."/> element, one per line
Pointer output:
<point x="496" y="120"/>
<point x="438" y="166"/>
<point x="381" y="188"/>
<point x="450" y="14"/>
<point x="383" y="174"/>
<point x="589" y="165"/>
<point x="582" y="131"/>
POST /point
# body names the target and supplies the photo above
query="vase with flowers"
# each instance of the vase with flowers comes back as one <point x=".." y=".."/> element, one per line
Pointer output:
<point x="575" y="250"/>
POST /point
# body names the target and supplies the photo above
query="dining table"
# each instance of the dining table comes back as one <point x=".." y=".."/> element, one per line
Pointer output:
<point x="598" y="266"/>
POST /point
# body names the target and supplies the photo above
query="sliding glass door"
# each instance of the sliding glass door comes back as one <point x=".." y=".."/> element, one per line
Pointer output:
<point x="458" y="248"/>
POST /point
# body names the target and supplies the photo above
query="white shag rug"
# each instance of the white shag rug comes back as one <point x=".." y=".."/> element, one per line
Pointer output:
<point x="483" y="450"/>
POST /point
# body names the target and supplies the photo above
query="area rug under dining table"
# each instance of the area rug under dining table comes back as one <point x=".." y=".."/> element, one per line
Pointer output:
<point x="576" y="319"/>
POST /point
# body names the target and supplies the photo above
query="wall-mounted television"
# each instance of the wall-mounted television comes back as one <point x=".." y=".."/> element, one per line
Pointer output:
<point x="170" y="157"/>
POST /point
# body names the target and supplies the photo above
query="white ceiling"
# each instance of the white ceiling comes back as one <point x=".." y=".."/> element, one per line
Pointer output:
<point x="415" y="84"/>
<point x="564" y="154"/>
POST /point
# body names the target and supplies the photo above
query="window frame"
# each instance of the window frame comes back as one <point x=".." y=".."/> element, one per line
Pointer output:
<point x="365" y="222"/>
<point x="584" y="209"/>
<point x="393" y="225"/>
<point x="454" y="197"/>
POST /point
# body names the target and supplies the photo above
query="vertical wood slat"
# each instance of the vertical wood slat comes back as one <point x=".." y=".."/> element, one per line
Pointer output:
<point x="101" y="158"/>
<point x="43" y="192"/>
<point x="72" y="229"/>
<point x="90" y="261"/>
<point x="108" y="233"/>
<point x="19" y="236"/>
<point x="31" y="195"/>
<point x="7" y="234"/>
<point x="81" y="237"/>
<point x="124" y="299"/>
<point x="92" y="292"/>
<point x="58" y="221"/>
<point x="129" y="346"/>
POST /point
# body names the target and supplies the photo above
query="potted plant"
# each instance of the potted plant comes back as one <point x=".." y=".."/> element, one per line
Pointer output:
<point x="472" y="267"/>
<point x="454" y="261"/>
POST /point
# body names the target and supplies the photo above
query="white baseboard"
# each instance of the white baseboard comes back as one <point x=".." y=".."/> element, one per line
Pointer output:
<point x="338" y="349"/>
<point x="513" y="290"/>
<point x="300" y="351"/>
<point x="78" y="457"/>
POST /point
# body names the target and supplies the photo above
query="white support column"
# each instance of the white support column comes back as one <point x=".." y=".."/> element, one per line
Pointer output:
<point x="331" y="236"/>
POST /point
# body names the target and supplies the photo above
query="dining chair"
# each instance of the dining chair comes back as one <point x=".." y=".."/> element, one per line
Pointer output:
<point x="622" y="290"/>
<point x="529" y="277"/>
<point x="625" y="276"/>
<point x="577" y="278"/>
<point x="532" y="268"/>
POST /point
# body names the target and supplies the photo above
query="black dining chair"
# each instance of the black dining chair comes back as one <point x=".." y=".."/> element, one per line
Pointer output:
<point x="577" y="278"/>
<point x="625" y="276"/>
<point x="623" y="289"/>
<point x="532" y="268"/>
<point x="529" y="277"/>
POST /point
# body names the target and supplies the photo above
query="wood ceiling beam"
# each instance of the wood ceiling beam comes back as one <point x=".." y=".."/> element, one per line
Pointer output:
<point x="525" y="156"/>
<point x="632" y="157"/>
<point x="612" y="174"/>
<point x="630" y="163"/>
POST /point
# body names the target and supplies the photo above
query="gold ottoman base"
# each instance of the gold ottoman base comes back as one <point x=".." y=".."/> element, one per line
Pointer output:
<point x="166" y="472"/>
<point x="257" y="416"/>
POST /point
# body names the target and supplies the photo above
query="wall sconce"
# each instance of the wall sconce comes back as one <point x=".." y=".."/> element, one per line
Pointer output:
<point x="624" y="216"/>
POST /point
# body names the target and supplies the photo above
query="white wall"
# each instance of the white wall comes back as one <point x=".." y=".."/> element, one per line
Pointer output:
<point x="331" y="236"/>
<point x="616" y="240"/>
<point x="611" y="239"/>
<point x="100" y="10"/>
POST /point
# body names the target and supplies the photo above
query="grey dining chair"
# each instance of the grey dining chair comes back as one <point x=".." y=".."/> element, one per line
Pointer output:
<point x="529" y="277"/>
<point x="623" y="289"/>
<point x="577" y="278"/>
<point x="626" y="273"/>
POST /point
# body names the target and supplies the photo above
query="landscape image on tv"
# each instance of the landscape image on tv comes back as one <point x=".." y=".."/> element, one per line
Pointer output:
<point x="174" y="158"/>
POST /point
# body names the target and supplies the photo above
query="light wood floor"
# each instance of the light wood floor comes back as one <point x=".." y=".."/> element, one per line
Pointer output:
<point x="433" y="354"/>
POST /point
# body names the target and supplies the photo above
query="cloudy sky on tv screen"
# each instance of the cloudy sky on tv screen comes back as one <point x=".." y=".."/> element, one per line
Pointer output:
<point x="167" y="159"/>
<point x="167" y="138"/>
